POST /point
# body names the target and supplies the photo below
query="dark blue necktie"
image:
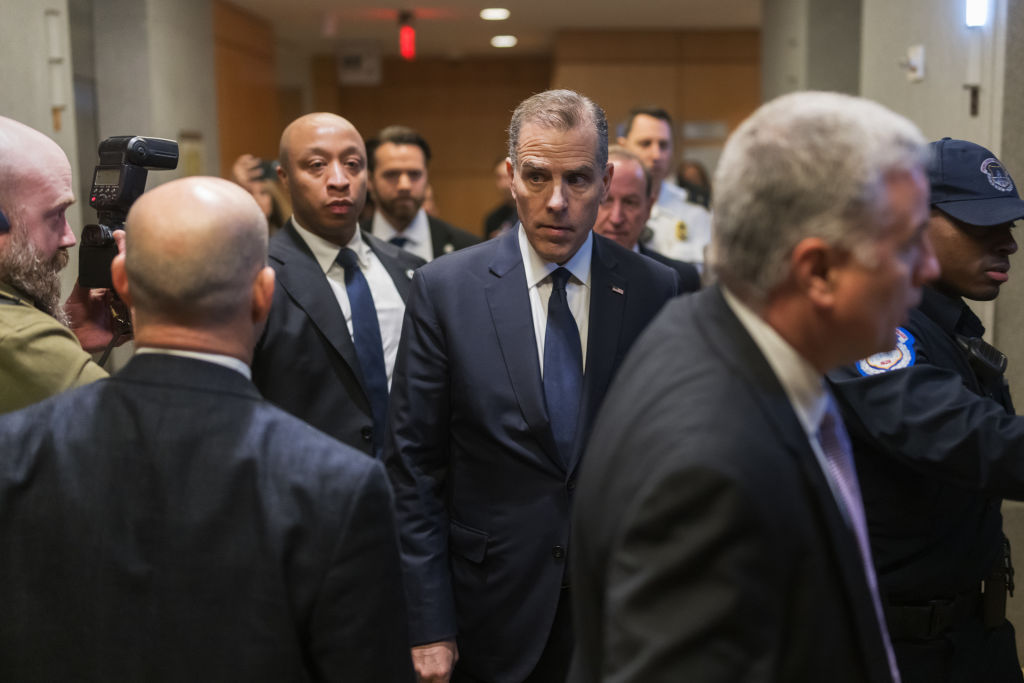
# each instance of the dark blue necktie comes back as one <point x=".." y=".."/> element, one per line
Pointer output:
<point x="563" y="366"/>
<point x="399" y="241"/>
<point x="367" y="340"/>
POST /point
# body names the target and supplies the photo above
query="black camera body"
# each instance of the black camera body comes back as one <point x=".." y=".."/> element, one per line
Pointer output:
<point x="119" y="179"/>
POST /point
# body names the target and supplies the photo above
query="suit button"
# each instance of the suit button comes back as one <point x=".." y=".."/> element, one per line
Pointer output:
<point x="558" y="552"/>
<point x="571" y="485"/>
<point x="366" y="433"/>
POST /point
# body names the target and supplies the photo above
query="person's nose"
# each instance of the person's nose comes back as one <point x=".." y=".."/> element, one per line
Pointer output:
<point x="928" y="268"/>
<point x="336" y="176"/>
<point x="557" y="202"/>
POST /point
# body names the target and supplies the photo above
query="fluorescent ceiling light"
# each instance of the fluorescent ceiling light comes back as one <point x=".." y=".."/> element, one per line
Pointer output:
<point x="504" y="41"/>
<point x="977" y="12"/>
<point x="494" y="14"/>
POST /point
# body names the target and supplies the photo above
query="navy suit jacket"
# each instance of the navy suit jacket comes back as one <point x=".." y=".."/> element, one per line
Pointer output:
<point x="305" y="361"/>
<point x="168" y="524"/>
<point x="482" y="494"/>
<point x="446" y="238"/>
<point x="708" y="545"/>
<point x="689" y="276"/>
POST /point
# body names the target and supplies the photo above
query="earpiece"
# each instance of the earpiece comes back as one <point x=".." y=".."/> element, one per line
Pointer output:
<point x="5" y="225"/>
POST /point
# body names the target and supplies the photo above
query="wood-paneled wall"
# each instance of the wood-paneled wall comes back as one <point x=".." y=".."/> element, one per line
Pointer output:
<point x="462" y="108"/>
<point x="247" y="93"/>
<point x="694" y="75"/>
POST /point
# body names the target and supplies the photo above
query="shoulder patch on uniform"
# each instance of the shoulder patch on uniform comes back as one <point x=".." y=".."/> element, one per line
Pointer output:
<point x="903" y="356"/>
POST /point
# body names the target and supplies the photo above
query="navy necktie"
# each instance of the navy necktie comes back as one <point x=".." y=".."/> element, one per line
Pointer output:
<point x="563" y="366"/>
<point x="367" y="340"/>
<point x="399" y="241"/>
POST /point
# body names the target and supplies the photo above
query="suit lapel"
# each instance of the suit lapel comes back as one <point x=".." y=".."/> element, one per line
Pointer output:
<point x="438" y="238"/>
<point x="608" y="292"/>
<point x="300" y="276"/>
<point x="740" y="351"/>
<point x="509" y="303"/>
<point x="390" y="257"/>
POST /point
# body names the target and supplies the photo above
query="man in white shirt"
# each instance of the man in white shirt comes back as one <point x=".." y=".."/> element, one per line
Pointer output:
<point x="679" y="229"/>
<point x="398" y="158"/>
<point x="725" y="540"/>
<point x="329" y="347"/>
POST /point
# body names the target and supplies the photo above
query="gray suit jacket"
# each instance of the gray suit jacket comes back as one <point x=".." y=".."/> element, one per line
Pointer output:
<point x="168" y="524"/>
<point x="708" y="546"/>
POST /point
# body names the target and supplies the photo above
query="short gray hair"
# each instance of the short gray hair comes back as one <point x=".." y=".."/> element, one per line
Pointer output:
<point x="809" y="164"/>
<point x="560" y="110"/>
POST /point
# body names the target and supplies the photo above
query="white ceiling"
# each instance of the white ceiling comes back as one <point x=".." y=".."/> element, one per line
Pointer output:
<point x="453" y="28"/>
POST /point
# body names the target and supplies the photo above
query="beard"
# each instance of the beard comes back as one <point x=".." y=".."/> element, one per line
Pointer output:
<point x="23" y="266"/>
<point x="402" y="209"/>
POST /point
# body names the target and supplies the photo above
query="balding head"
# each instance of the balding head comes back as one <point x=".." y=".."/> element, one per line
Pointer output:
<point x="323" y="164"/>
<point x="35" y="192"/>
<point x="195" y="247"/>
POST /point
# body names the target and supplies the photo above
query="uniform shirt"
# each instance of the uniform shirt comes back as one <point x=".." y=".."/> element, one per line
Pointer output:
<point x="386" y="299"/>
<point x="417" y="234"/>
<point x="680" y="229"/>
<point x="931" y="441"/>
<point x="577" y="290"/>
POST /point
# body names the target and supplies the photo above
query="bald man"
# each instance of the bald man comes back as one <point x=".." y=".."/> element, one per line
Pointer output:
<point x="39" y="355"/>
<point x="330" y="344"/>
<point x="168" y="524"/>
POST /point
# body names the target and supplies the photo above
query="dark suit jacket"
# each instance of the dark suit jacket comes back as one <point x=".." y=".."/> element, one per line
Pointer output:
<point x="170" y="525"/>
<point x="689" y="276"/>
<point x="481" y="492"/>
<point x="305" y="361"/>
<point x="708" y="546"/>
<point x="446" y="238"/>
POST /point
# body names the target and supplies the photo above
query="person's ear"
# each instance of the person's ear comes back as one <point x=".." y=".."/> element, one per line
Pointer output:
<point x="813" y="264"/>
<point x="119" y="276"/>
<point x="262" y="294"/>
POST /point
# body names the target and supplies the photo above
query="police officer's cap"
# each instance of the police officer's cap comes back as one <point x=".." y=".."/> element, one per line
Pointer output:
<point x="971" y="185"/>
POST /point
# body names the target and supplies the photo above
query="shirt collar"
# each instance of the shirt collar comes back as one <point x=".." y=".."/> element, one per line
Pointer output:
<point x="950" y="312"/>
<point x="803" y="384"/>
<point x="326" y="252"/>
<point x="417" y="232"/>
<point x="537" y="269"/>
<point x="231" y="362"/>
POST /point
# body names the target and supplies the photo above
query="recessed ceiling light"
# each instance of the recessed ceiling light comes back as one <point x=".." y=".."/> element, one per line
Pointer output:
<point x="494" y="14"/>
<point x="504" y="41"/>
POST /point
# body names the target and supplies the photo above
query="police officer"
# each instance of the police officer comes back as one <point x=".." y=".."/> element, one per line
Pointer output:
<point x="937" y="444"/>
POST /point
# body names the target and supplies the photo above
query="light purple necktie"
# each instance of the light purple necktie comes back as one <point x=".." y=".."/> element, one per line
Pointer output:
<point x="835" y="444"/>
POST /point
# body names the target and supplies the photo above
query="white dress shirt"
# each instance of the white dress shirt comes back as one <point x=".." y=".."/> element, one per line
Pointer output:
<point x="417" y="234"/>
<point x="230" y="362"/>
<point x="577" y="290"/>
<point x="386" y="299"/>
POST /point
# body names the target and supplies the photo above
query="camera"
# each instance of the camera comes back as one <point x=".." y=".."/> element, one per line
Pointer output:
<point x="119" y="179"/>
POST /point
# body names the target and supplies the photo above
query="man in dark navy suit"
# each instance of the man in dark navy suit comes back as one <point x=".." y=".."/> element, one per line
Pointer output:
<point x="168" y="524"/>
<point x="507" y="350"/>
<point x="626" y="208"/>
<point x="334" y="281"/>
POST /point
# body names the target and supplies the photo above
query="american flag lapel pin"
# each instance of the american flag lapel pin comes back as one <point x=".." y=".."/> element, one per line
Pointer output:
<point x="618" y="290"/>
